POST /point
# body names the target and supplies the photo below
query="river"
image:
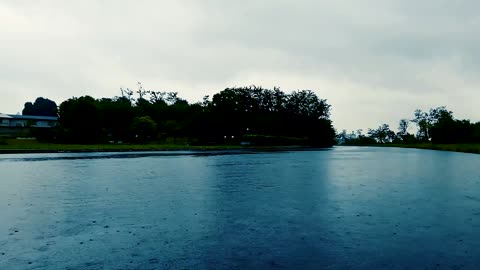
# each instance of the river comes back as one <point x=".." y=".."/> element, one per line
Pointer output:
<point x="341" y="208"/>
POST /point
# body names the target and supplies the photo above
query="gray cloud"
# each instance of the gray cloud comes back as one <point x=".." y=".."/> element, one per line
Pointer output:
<point x="375" y="61"/>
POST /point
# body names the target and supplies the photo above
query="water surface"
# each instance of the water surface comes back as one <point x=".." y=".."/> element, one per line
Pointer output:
<point x="344" y="208"/>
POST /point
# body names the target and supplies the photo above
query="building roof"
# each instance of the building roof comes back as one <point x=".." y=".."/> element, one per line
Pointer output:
<point x="2" y="115"/>
<point x="30" y="117"/>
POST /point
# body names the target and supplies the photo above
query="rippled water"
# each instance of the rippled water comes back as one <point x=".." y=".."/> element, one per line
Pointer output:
<point x="344" y="208"/>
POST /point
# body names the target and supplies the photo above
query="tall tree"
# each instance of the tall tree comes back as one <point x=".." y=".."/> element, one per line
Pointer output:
<point x="403" y="127"/>
<point x="116" y="116"/>
<point x="41" y="107"/>
<point x="422" y="120"/>
<point x="80" y="117"/>
<point x="425" y="121"/>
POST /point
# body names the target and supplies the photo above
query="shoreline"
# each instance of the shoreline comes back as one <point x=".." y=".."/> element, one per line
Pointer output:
<point x="49" y="148"/>
<point x="459" y="148"/>
<point x="153" y="148"/>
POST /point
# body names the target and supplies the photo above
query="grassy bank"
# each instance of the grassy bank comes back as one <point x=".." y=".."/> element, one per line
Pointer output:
<point x="465" y="148"/>
<point x="10" y="146"/>
<point x="26" y="146"/>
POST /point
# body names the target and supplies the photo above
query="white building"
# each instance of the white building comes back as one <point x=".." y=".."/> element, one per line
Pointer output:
<point x="13" y="120"/>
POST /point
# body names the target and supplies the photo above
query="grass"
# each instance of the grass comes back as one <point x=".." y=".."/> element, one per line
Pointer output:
<point x="9" y="146"/>
<point x="27" y="146"/>
<point x="465" y="148"/>
<point x="15" y="146"/>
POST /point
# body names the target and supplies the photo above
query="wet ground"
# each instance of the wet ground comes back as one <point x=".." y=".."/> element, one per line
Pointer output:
<point x="346" y="208"/>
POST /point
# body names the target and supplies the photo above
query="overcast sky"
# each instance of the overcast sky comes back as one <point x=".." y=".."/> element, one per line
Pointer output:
<point x="375" y="61"/>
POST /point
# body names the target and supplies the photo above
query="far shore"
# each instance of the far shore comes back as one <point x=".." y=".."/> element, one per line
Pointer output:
<point x="13" y="146"/>
<point x="462" y="148"/>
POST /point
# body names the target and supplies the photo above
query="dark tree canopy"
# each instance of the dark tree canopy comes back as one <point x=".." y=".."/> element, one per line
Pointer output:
<point x="256" y="110"/>
<point x="241" y="114"/>
<point x="144" y="128"/>
<point x="403" y="127"/>
<point x="81" y="119"/>
<point x="255" y="114"/>
<point x="382" y="134"/>
<point x="41" y="107"/>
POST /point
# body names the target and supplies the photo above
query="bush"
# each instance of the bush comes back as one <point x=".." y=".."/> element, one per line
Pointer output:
<point x="3" y="142"/>
<point x="44" y="134"/>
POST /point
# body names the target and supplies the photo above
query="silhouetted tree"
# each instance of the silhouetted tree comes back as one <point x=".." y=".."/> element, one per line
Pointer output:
<point x="116" y="117"/>
<point x="267" y="116"/>
<point x="382" y="134"/>
<point x="255" y="110"/>
<point x="144" y="128"/>
<point x="41" y="107"/>
<point x="355" y="138"/>
<point x="80" y="117"/>
<point x="422" y="121"/>
<point x="403" y="127"/>
<point x="425" y="121"/>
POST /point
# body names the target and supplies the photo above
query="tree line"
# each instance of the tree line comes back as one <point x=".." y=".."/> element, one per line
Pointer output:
<point x="438" y="125"/>
<point x="241" y="114"/>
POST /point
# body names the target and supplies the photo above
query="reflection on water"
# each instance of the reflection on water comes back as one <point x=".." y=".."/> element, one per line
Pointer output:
<point x="359" y="208"/>
<point x="117" y="155"/>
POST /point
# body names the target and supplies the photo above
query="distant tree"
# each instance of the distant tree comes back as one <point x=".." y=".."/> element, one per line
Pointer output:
<point x="306" y="103"/>
<point x="382" y="134"/>
<point x="206" y="101"/>
<point x="267" y="115"/>
<point x="143" y="107"/>
<point x="438" y="125"/>
<point x="425" y="121"/>
<point x="342" y="137"/>
<point x="355" y="138"/>
<point x="80" y="118"/>
<point x="157" y="96"/>
<point x="141" y="91"/>
<point x="446" y="129"/>
<point x="402" y="135"/>
<point x="144" y="128"/>
<point x="439" y="114"/>
<point x="423" y="124"/>
<point x="172" y="97"/>
<point x="403" y="127"/>
<point x="127" y="93"/>
<point x="301" y="114"/>
<point x="116" y="116"/>
<point x="41" y="107"/>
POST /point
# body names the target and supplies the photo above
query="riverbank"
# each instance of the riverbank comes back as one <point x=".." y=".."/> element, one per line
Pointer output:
<point x="463" y="148"/>
<point x="13" y="146"/>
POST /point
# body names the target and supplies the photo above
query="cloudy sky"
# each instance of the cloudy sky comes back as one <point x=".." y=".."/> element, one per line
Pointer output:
<point x="375" y="61"/>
